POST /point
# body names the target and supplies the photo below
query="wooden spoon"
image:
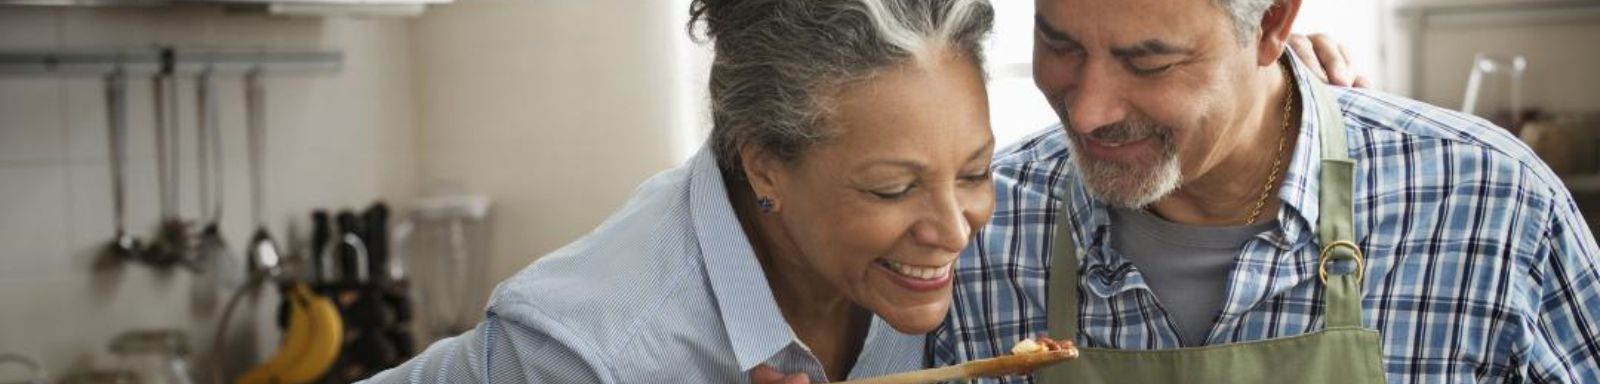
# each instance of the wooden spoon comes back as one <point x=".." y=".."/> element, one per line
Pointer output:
<point x="990" y="367"/>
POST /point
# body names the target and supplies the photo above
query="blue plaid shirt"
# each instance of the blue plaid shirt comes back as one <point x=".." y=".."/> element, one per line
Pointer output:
<point x="1479" y="267"/>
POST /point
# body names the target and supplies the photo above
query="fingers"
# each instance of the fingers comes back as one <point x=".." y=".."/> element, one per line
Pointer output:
<point x="1333" y="63"/>
<point x="765" y="374"/>
<point x="1335" y="59"/>
<point x="1308" y="55"/>
<point x="1357" y="80"/>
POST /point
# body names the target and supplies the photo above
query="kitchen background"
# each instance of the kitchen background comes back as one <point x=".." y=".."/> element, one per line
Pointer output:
<point x="542" y="115"/>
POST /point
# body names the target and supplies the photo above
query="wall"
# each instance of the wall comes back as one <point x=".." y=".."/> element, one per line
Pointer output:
<point x="1559" y="49"/>
<point x="556" y="110"/>
<point x="1561" y="62"/>
<point x="334" y="140"/>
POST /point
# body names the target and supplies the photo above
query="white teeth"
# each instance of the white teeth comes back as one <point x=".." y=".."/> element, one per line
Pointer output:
<point x="923" y="273"/>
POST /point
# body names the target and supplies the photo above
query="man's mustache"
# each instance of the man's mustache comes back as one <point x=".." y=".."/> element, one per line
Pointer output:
<point x="1133" y="128"/>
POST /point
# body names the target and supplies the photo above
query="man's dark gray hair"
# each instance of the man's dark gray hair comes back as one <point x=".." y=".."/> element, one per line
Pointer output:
<point x="1246" y="16"/>
<point x="778" y="61"/>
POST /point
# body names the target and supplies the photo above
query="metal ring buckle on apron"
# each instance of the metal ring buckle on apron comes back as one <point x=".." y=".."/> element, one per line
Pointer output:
<point x="1322" y="260"/>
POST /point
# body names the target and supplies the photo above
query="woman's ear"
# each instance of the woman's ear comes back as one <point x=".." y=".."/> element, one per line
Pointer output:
<point x="765" y="172"/>
<point x="1277" y="23"/>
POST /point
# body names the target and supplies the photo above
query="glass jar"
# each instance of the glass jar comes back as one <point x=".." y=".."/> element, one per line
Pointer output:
<point x="155" y="356"/>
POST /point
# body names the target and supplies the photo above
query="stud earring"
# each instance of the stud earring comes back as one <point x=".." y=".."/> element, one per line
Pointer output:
<point x="766" y="204"/>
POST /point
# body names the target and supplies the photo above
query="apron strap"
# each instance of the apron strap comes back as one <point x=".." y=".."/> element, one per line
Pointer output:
<point x="1342" y="296"/>
<point x="1061" y="291"/>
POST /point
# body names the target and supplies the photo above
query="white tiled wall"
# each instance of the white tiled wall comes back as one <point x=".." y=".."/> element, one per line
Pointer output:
<point x="335" y="140"/>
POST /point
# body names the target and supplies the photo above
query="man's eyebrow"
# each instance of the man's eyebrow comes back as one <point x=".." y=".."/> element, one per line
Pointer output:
<point x="1049" y="31"/>
<point x="1151" y="47"/>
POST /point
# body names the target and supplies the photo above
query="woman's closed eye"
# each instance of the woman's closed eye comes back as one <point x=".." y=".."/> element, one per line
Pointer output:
<point x="977" y="178"/>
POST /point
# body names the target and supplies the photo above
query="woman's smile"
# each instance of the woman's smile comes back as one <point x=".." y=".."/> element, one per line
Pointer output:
<point x="916" y="277"/>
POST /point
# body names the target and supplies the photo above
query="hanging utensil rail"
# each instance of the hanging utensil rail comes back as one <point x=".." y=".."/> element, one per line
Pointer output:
<point x="167" y="60"/>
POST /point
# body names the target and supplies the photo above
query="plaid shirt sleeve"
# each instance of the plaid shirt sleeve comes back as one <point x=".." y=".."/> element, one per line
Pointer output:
<point x="1567" y="347"/>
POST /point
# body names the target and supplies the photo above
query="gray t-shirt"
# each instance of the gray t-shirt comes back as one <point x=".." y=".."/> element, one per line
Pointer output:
<point x="1186" y="266"/>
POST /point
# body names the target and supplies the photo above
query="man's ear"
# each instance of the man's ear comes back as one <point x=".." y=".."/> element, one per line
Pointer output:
<point x="762" y="169"/>
<point x="1276" y="25"/>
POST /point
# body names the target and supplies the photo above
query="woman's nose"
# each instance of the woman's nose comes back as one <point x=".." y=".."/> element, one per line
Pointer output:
<point x="945" y="228"/>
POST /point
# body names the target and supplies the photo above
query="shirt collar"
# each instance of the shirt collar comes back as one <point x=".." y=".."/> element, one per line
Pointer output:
<point x="1301" y="181"/>
<point x="745" y="303"/>
<point x="1108" y="272"/>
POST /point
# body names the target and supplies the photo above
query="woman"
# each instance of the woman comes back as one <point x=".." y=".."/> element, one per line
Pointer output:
<point x="813" y="235"/>
<point x="847" y="167"/>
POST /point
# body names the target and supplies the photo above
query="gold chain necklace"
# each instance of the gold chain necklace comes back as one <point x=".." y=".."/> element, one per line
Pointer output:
<point x="1283" y="141"/>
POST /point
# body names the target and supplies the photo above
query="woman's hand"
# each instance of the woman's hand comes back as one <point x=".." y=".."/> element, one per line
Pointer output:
<point x="1335" y="68"/>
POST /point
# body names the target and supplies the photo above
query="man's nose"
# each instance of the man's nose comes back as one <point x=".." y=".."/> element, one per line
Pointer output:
<point x="1095" y="100"/>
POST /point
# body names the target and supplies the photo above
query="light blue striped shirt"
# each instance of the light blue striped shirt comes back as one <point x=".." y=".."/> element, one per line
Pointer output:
<point x="667" y="290"/>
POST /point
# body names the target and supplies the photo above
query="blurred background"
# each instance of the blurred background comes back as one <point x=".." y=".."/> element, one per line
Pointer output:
<point x="404" y="156"/>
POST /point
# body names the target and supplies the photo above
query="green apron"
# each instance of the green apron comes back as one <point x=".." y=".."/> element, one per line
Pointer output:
<point x="1344" y="352"/>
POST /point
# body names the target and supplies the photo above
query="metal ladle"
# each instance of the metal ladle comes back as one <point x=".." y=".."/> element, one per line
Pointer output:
<point x="263" y="251"/>
<point x="173" y="243"/>
<point x="212" y="252"/>
<point x="123" y="246"/>
<point x="221" y="270"/>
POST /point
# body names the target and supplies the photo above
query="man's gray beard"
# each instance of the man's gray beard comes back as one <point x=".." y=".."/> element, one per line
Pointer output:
<point x="1128" y="185"/>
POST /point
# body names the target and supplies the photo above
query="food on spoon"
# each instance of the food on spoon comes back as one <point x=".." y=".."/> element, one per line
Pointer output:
<point x="1026" y="346"/>
<point x="1043" y="344"/>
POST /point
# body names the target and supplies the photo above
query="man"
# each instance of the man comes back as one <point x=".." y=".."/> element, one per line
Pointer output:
<point x="1208" y="213"/>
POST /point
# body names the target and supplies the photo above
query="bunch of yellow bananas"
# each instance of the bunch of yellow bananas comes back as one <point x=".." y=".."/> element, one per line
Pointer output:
<point x="310" y="345"/>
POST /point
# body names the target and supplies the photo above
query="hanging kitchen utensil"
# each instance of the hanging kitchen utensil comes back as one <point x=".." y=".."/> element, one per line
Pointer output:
<point x="123" y="246"/>
<point x="218" y="270"/>
<point x="263" y="251"/>
<point x="212" y="251"/>
<point x="263" y="270"/>
<point x="172" y="243"/>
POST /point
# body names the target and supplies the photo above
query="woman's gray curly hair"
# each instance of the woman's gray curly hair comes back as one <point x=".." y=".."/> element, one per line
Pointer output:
<point x="778" y="61"/>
